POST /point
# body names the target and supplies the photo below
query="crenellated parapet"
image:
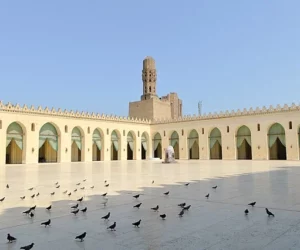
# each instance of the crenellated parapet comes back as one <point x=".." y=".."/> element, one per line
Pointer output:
<point x="69" y="114"/>
<point x="233" y="113"/>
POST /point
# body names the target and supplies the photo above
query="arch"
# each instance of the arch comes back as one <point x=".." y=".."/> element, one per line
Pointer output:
<point x="174" y="142"/>
<point x="131" y="145"/>
<point x="193" y="142"/>
<point x="15" y="146"/>
<point x="157" y="147"/>
<point x="243" y="143"/>
<point x="215" y="144"/>
<point x="115" y="145"/>
<point x="77" y="145"/>
<point x="144" y="145"/>
<point x="276" y="142"/>
<point x="48" y="143"/>
<point x="97" y="148"/>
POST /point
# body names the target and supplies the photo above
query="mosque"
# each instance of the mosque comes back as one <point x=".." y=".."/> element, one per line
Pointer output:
<point x="43" y="135"/>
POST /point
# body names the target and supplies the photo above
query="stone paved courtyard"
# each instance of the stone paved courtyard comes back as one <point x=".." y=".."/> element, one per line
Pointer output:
<point x="215" y="223"/>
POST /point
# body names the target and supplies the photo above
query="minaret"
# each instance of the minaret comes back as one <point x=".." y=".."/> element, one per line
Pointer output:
<point x="149" y="78"/>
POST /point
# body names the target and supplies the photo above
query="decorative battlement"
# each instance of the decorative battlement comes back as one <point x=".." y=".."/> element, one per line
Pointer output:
<point x="233" y="113"/>
<point x="69" y="114"/>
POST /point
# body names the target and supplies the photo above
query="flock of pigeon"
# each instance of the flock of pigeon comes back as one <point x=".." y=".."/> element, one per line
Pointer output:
<point x="30" y="212"/>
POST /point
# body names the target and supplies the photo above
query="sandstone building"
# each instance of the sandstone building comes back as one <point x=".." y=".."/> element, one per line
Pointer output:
<point x="151" y="106"/>
<point x="43" y="135"/>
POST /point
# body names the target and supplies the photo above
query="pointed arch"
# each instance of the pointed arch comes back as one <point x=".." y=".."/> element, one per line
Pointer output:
<point x="174" y="142"/>
<point x="15" y="143"/>
<point x="49" y="146"/>
<point x="131" y="146"/>
<point x="115" y="145"/>
<point x="144" y="145"/>
<point x="77" y="144"/>
<point x="97" y="148"/>
<point x="276" y="142"/>
<point x="243" y="143"/>
<point x="157" y="146"/>
<point x="215" y="144"/>
<point x="193" y="144"/>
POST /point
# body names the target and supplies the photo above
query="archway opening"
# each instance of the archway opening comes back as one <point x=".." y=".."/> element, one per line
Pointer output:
<point x="276" y="141"/>
<point x="48" y="143"/>
<point x="114" y="146"/>
<point x="14" y="144"/>
<point x="97" y="145"/>
<point x="144" y="146"/>
<point x="215" y="144"/>
<point x="76" y="148"/>
<point x="243" y="143"/>
<point x="130" y="146"/>
<point x="193" y="142"/>
<point x="157" y="148"/>
<point x="174" y="141"/>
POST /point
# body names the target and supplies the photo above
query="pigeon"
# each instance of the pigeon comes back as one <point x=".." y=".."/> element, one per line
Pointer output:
<point x="53" y="193"/>
<point x="37" y="194"/>
<point x="246" y="212"/>
<point x="81" y="236"/>
<point x="75" y="211"/>
<point x="56" y="183"/>
<point x="138" y="205"/>
<point x="58" y="186"/>
<point x="113" y="227"/>
<point x="186" y="184"/>
<point x="28" y="247"/>
<point x="163" y="216"/>
<point x="69" y="194"/>
<point x="152" y="182"/>
<point x="106" y="216"/>
<point x="84" y="180"/>
<point x="269" y="213"/>
<point x="136" y="196"/>
<point x="181" y="213"/>
<point x="31" y="214"/>
<point x="27" y="211"/>
<point x="187" y="207"/>
<point x="75" y="190"/>
<point x="80" y="200"/>
<point x="33" y="208"/>
<point x="10" y="238"/>
<point x="75" y="206"/>
<point x="49" y="208"/>
<point x="46" y="223"/>
<point x="32" y="196"/>
<point x="137" y="224"/>
<point x="22" y="198"/>
<point x="78" y="184"/>
<point x="252" y="204"/>
<point x="207" y="196"/>
<point x="30" y="189"/>
<point x="167" y="193"/>
<point x="7" y="186"/>
<point x="155" y="208"/>
<point x="181" y="204"/>
<point x="2" y="199"/>
<point x="92" y="187"/>
<point x="107" y="185"/>
<point x="104" y="194"/>
<point x="65" y="192"/>
<point x="84" y="210"/>
<point x="215" y="187"/>
<point x="82" y="188"/>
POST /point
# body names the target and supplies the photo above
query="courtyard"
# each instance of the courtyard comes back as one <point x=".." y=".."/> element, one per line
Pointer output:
<point x="218" y="222"/>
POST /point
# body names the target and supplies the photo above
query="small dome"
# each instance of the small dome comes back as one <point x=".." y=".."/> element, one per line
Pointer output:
<point x="148" y="63"/>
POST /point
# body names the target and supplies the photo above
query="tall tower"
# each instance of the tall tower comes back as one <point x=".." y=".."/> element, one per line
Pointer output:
<point x="149" y="78"/>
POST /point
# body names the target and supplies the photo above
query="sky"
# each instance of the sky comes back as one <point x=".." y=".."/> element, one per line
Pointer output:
<point x="87" y="55"/>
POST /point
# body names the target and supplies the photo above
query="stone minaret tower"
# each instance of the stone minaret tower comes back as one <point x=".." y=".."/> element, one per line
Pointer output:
<point x="149" y="78"/>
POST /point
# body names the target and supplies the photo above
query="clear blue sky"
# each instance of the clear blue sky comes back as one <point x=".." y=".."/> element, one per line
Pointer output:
<point x="87" y="55"/>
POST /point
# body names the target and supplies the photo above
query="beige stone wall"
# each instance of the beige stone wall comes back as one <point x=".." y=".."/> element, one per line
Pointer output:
<point x="31" y="138"/>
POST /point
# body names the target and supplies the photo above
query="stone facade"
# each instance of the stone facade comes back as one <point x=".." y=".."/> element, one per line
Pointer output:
<point x="151" y="106"/>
